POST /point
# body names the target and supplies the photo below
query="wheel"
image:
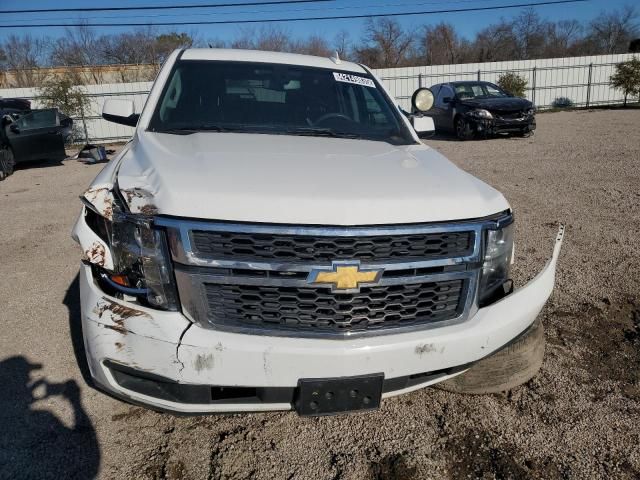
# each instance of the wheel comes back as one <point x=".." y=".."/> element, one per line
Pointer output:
<point x="7" y="163"/>
<point x="513" y="365"/>
<point x="463" y="130"/>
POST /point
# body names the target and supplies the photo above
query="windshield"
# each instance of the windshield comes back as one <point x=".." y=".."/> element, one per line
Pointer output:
<point x="479" y="90"/>
<point x="276" y="99"/>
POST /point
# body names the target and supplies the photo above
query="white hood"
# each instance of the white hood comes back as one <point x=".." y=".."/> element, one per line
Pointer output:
<point x="299" y="180"/>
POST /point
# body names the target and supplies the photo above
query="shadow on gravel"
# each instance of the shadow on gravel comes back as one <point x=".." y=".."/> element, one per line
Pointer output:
<point x="34" y="443"/>
<point x="39" y="164"/>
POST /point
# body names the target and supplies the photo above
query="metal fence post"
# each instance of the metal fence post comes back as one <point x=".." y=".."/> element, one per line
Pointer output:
<point x="479" y="74"/>
<point x="419" y="80"/>
<point x="533" y="87"/>
<point x="589" y="85"/>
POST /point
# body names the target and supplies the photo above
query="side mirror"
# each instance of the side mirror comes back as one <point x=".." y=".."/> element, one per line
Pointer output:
<point x="120" y="111"/>
<point x="14" y="128"/>
<point x="422" y="100"/>
<point x="423" y="125"/>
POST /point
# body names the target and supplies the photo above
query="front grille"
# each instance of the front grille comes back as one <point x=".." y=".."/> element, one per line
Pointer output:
<point x="509" y="115"/>
<point x="307" y="310"/>
<point x="268" y="247"/>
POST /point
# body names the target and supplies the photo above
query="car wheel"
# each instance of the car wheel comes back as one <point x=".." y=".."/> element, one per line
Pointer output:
<point x="513" y="365"/>
<point x="463" y="129"/>
<point x="7" y="163"/>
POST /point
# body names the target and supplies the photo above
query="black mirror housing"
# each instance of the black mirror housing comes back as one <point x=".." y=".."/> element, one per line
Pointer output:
<point x="130" y="121"/>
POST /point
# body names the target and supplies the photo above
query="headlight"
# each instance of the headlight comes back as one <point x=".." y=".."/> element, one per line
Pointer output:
<point x="498" y="253"/>
<point x="480" y="113"/>
<point x="141" y="261"/>
<point x="530" y="112"/>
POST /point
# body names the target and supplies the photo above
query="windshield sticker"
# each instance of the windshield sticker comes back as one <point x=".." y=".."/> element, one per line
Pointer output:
<point x="345" y="77"/>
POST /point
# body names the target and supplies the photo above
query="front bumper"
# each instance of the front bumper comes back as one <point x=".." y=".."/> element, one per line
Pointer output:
<point x="124" y="340"/>
<point x="492" y="126"/>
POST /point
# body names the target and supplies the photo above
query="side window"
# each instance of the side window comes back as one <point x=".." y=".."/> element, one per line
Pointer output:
<point x="39" y="119"/>
<point x="445" y="91"/>
<point x="171" y="98"/>
<point x="373" y="109"/>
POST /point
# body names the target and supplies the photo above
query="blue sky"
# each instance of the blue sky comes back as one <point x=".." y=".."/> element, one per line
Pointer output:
<point x="467" y="23"/>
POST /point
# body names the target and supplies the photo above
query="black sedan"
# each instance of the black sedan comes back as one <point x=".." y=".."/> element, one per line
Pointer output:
<point x="30" y="135"/>
<point x="471" y="109"/>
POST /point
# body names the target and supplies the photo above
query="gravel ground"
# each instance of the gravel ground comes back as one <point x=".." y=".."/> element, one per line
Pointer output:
<point x="577" y="419"/>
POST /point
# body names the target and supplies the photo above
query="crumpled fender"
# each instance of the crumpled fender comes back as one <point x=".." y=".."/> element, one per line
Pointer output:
<point x="100" y="195"/>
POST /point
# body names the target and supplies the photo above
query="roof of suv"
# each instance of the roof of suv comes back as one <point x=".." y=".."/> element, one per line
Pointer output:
<point x="237" y="55"/>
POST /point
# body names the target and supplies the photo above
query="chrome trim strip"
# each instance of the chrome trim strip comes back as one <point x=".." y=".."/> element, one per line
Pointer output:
<point x="190" y="259"/>
<point x="179" y="233"/>
<point x="303" y="282"/>
<point x="328" y="231"/>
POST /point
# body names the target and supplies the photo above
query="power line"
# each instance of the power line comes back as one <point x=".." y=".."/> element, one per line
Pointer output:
<point x="163" y="7"/>
<point x="250" y="12"/>
<point x="299" y="19"/>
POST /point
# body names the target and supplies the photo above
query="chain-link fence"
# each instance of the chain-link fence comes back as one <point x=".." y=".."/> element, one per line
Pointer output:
<point x="558" y="82"/>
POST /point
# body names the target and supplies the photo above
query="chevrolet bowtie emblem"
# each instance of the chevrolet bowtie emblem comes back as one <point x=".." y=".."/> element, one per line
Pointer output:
<point x="344" y="276"/>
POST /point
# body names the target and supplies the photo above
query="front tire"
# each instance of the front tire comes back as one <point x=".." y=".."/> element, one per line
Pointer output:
<point x="7" y="163"/>
<point x="513" y="365"/>
<point x="463" y="129"/>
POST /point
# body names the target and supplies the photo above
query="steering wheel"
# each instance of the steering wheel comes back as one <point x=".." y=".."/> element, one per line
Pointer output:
<point x="327" y="116"/>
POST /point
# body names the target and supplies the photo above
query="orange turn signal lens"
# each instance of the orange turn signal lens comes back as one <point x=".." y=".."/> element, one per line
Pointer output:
<point x="120" y="280"/>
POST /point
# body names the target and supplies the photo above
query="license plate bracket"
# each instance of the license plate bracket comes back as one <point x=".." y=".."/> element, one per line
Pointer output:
<point x="331" y="396"/>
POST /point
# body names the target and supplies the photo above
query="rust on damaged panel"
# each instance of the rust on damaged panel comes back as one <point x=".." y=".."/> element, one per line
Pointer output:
<point x="101" y="199"/>
<point x="96" y="254"/>
<point x="117" y="313"/>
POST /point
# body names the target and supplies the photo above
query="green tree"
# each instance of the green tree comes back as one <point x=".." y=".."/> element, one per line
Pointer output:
<point x="513" y="83"/>
<point x="62" y="92"/>
<point x="627" y="78"/>
<point x="168" y="42"/>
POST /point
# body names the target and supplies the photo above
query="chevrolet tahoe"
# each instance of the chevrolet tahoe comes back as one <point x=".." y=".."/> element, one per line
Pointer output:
<point x="275" y="236"/>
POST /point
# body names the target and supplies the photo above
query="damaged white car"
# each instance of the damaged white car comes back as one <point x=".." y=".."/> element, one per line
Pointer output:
<point x="275" y="236"/>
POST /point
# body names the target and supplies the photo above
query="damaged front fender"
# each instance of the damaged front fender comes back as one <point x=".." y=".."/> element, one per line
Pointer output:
<point x="103" y="197"/>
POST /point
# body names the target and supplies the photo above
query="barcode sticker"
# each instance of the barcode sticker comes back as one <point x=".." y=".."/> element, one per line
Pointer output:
<point x="348" y="78"/>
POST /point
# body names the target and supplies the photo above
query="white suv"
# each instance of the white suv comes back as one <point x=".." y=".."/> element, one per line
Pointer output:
<point x="276" y="236"/>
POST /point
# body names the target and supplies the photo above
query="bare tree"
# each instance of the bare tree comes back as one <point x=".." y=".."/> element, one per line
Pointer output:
<point x="24" y="55"/>
<point x="529" y="34"/>
<point x="562" y="38"/>
<point x="386" y="44"/>
<point x="78" y="46"/>
<point x="273" y="39"/>
<point x="440" y="45"/>
<point x="342" y="44"/>
<point x="495" y="43"/>
<point x="313" y="45"/>
<point x="612" y="32"/>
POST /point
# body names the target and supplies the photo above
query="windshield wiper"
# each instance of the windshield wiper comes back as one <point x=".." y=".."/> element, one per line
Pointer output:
<point x="195" y="129"/>
<point x="322" y="132"/>
<point x="177" y="131"/>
